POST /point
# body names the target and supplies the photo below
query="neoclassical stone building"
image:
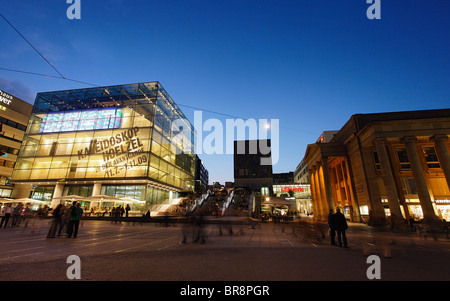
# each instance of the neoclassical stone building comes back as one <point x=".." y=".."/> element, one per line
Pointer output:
<point x="384" y="166"/>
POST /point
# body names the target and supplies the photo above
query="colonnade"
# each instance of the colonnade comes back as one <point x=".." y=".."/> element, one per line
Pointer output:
<point x="321" y="190"/>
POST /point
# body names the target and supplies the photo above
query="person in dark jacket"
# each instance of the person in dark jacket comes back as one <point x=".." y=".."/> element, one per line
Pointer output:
<point x="75" y="214"/>
<point x="56" y="221"/>
<point x="340" y="224"/>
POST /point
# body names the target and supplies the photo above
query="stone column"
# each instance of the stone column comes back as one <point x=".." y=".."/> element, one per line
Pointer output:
<point x="351" y="192"/>
<point x="327" y="184"/>
<point x="376" y="206"/>
<point x="321" y="191"/>
<point x="440" y="142"/>
<point x="96" y="190"/>
<point x="419" y="179"/>
<point x="388" y="180"/>
<point x="57" y="193"/>
<point x="314" y="192"/>
<point x="314" y="197"/>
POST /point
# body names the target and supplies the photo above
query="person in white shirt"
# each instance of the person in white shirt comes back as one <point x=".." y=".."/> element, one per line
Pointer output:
<point x="6" y="215"/>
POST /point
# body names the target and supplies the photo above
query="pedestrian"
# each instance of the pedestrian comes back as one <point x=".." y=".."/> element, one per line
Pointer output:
<point x="331" y="229"/>
<point x="112" y="213"/>
<point x="340" y="224"/>
<point x="64" y="218"/>
<point x="56" y="221"/>
<point x="200" y="231"/>
<point x="17" y="212"/>
<point x="127" y="210"/>
<point x="75" y="214"/>
<point x="27" y="214"/>
<point x="445" y="226"/>
<point x="117" y="215"/>
<point x="187" y="227"/>
<point x="6" y="215"/>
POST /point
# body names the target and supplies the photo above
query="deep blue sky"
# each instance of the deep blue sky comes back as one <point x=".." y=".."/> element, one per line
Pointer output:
<point x="310" y="64"/>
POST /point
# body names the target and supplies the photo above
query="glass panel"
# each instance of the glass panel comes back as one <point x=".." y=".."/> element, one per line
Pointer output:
<point x="57" y="173"/>
<point x="21" y="174"/>
<point x="154" y="162"/>
<point x="403" y="158"/>
<point x="138" y="171"/>
<point x="156" y="148"/>
<point x="431" y="157"/>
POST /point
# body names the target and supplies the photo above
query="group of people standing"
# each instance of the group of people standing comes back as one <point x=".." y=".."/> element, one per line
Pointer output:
<point x="62" y="218"/>
<point x="16" y="214"/>
<point x="337" y="226"/>
<point x="117" y="213"/>
<point x="68" y="217"/>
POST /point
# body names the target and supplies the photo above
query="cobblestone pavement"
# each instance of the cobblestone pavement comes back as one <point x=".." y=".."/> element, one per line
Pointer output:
<point x="298" y="251"/>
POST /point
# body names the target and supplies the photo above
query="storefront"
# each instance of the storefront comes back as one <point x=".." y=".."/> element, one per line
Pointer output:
<point x="414" y="209"/>
<point x="121" y="141"/>
<point x="14" y="114"/>
<point x="299" y="195"/>
<point x="443" y="208"/>
<point x="275" y="208"/>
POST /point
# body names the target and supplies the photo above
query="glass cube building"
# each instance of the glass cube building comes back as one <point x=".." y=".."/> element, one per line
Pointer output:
<point x="122" y="141"/>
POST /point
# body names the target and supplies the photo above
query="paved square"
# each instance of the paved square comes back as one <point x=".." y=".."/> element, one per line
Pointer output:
<point x="265" y="252"/>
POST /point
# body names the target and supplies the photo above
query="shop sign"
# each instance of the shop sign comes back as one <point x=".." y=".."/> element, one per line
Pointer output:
<point x="120" y="152"/>
<point x="5" y="97"/>
<point x="294" y="189"/>
<point x="444" y="201"/>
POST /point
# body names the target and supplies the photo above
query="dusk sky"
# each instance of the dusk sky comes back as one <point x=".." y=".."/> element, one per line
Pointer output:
<point x="309" y="64"/>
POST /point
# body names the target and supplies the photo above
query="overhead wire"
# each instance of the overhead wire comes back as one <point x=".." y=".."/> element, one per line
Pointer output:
<point x="237" y="117"/>
<point x="179" y="104"/>
<point x="48" y="75"/>
<point x="82" y="82"/>
<point x="29" y="43"/>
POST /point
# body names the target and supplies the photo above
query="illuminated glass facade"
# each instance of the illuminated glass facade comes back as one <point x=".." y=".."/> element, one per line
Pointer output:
<point x="118" y="136"/>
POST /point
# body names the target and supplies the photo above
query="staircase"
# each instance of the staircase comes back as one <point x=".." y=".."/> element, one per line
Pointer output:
<point x="228" y="202"/>
<point x="199" y="201"/>
<point x="160" y="209"/>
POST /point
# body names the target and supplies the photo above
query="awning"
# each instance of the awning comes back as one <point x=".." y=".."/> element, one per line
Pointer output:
<point x="101" y="197"/>
<point x="69" y="197"/>
<point x="25" y="200"/>
<point x="130" y="200"/>
<point x="276" y="202"/>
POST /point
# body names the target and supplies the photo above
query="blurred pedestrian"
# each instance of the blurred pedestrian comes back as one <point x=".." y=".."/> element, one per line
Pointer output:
<point x="187" y="227"/>
<point x="445" y="227"/>
<point x="118" y="214"/>
<point x="7" y="211"/>
<point x="56" y="221"/>
<point x="75" y="214"/>
<point x="16" y="214"/>
<point x="27" y="214"/>
<point x="340" y="224"/>
<point x="64" y="218"/>
<point x="200" y="235"/>
<point x="127" y="210"/>
<point x="331" y="229"/>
